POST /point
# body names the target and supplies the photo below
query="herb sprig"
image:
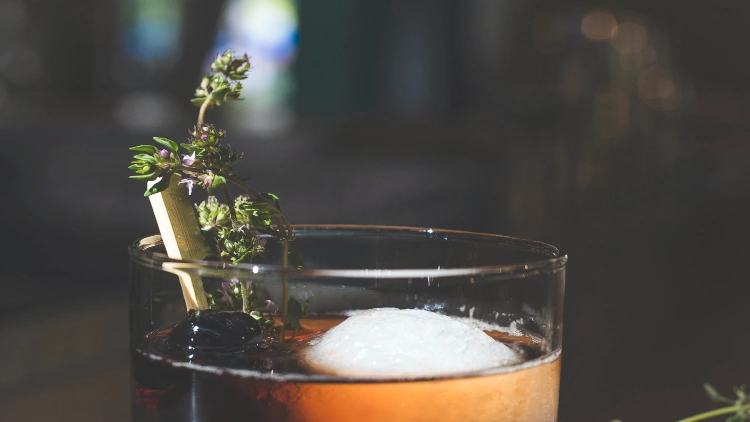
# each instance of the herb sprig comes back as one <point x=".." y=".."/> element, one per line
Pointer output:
<point x="233" y="229"/>
<point x="738" y="409"/>
<point x="209" y="164"/>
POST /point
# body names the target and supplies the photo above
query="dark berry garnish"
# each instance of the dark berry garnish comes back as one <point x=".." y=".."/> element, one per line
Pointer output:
<point x="215" y="333"/>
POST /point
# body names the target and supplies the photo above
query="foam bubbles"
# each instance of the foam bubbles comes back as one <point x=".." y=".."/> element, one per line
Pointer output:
<point x="393" y="343"/>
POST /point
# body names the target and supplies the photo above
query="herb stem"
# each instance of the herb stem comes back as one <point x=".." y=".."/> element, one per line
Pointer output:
<point x="281" y="221"/>
<point x="285" y="288"/>
<point x="239" y="182"/>
<point x="204" y="107"/>
<point x="230" y="204"/>
<point x="716" y="412"/>
<point x="245" y="297"/>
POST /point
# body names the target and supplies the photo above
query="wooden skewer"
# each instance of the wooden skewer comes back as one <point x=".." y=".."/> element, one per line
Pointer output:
<point x="182" y="238"/>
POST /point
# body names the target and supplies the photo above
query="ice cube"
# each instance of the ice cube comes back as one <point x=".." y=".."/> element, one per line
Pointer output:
<point x="393" y="343"/>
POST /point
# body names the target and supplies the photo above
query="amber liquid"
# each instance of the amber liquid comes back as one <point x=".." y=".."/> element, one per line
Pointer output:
<point x="276" y="386"/>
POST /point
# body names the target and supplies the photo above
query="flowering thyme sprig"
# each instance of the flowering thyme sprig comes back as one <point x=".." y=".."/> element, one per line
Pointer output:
<point x="222" y="85"/>
<point x="233" y="229"/>
<point x="209" y="163"/>
<point x="738" y="409"/>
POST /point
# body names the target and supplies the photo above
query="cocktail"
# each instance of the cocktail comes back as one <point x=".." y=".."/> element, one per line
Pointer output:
<point x="389" y="324"/>
<point x="236" y="315"/>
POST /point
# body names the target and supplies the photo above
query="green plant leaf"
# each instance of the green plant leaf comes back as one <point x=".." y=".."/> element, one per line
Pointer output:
<point x="274" y="198"/>
<point x="295" y="256"/>
<point x="159" y="186"/>
<point x="145" y="148"/>
<point x="262" y="223"/>
<point x="221" y="92"/>
<point x="218" y="181"/>
<point x="262" y="209"/>
<point x="149" y="176"/>
<point x="198" y="101"/>
<point x="145" y="169"/>
<point x="296" y="312"/>
<point x="145" y="157"/>
<point x="242" y="258"/>
<point x="167" y="143"/>
<point x="714" y="395"/>
<point x="741" y="392"/>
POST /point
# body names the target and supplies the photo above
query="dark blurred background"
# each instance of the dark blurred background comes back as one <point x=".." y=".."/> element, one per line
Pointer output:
<point x="618" y="130"/>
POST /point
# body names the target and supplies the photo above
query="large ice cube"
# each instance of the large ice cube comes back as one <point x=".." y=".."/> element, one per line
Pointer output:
<point x="393" y="343"/>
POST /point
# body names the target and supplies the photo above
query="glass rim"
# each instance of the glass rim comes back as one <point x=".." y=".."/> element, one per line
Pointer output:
<point x="555" y="258"/>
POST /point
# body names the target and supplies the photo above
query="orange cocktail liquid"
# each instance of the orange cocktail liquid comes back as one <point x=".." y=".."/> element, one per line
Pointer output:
<point x="165" y="389"/>
<point x="525" y="394"/>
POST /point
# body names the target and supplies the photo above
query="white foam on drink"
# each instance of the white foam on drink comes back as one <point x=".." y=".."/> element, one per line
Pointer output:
<point x="406" y="343"/>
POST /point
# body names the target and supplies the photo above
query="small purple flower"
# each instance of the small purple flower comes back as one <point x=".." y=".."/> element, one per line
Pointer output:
<point x="164" y="153"/>
<point x="189" y="183"/>
<point x="231" y="286"/>
<point x="188" y="160"/>
<point x="206" y="179"/>
<point x="204" y="137"/>
<point x="165" y="166"/>
<point x="225" y="295"/>
<point x="270" y="305"/>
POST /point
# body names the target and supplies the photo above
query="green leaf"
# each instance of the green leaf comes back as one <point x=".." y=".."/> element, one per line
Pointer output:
<point x="242" y="258"/>
<point x="159" y="186"/>
<point x="714" y="395"/>
<point x="145" y="169"/>
<point x="262" y="223"/>
<point x="135" y="167"/>
<point x="296" y="312"/>
<point x="149" y="176"/>
<point x="295" y="257"/>
<point x="218" y="181"/>
<point x="264" y="207"/>
<point x="145" y="148"/>
<point x="274" y="198"/>
<point x="145" y="157"/>
<point x="221" y="92"/>
<point x="167" y="143"/>
<point x="198" y="101"/>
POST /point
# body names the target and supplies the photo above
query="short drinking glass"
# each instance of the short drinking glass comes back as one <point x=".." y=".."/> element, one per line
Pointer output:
<point x="383" y="324"/>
